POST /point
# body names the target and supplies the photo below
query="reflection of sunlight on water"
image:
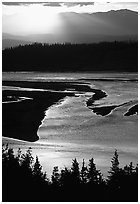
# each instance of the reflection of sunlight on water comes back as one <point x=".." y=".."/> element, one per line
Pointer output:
<point x="62" y="156"/>
<point x="71" y="130"/>
<point x="65" y="108"/>
<point x="45" y="76"/>
<point x="82" y="134"/>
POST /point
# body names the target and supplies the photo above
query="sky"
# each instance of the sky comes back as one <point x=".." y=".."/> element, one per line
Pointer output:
<point x="33" y="17"/>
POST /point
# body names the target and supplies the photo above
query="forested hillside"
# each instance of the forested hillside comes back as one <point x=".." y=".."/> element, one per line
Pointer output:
<point x="104" y="56"/>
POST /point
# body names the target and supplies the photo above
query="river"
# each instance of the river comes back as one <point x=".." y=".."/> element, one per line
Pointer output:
<point x="73" y="129"/>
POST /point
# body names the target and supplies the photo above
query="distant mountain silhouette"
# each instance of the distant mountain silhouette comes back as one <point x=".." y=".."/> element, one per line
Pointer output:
<point x="9" y="40"/>
<point x="102" y="26"/>
<point x="6" y="43"/>
<point x="86" y="28"/>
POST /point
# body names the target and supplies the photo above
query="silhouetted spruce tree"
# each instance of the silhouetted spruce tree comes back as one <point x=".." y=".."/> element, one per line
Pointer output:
<point x="55" y="185"/>
<point x="65" y="177"/>
<point x="26" y="170"/>
<point x="94" y="175"/>
<point x="131" y="173"/>
<point x="115" y="175"/>
<point x="83" y="173"/>
<point x="128" y="183"/>
<point x="10" y="175"/>
<point x="129" y="169"/>
<point x="55" y="176"/>
<point x="38" y="175"/>
<point x="75" y="173"/>
<point x="27" y="159"/>
<point x="115" y="163"/>
<point x="114" y="169"/>
<point x="40" y="182"/>
<point x="9" y="159"/>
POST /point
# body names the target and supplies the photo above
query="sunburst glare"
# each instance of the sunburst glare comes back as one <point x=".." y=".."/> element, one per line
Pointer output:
<point x="35" y="18"/>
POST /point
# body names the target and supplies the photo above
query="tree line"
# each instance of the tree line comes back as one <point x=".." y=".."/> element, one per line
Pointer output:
<point x="103" y="56"/>
<point x="23" y="180"/>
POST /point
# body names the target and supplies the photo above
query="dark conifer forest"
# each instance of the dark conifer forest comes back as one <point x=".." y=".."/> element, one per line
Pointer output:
<point x="103" y="56"/>
<point x="24" y="180"/>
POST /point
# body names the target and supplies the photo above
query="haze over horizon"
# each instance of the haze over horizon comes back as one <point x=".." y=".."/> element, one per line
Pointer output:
<point x="74" y="22"/>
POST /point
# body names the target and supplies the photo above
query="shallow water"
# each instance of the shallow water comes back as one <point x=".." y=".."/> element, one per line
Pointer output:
<point x="70" y="129"/>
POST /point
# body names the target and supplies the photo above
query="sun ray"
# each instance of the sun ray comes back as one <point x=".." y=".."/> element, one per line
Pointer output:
<point x="40" y="20"/>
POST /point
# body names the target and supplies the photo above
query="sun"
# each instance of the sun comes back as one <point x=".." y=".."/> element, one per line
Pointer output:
<point x="37" y="19"/>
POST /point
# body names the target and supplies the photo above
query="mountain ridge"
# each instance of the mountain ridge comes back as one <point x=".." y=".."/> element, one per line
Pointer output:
<point x="86" y="28"/>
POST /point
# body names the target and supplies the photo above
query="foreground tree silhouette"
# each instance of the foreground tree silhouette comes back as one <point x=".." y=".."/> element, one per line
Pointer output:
<point x="122" y="183"/>
<point x="114" y="169"/>
<point x="115" y="173"/>
<point x="75" y="172"/>
<point x="115" y="163"/>
<point x="27" y="161"/>
<point x="55" y="177"/>
<point x="114" y="176"/>
<point x="65" y="177"/>
<point x="23" y="180"/>
<point x="94" y="175"/>
<point x="84" y="173"/>
<point x="38" y="175"/>
<point x="20" y="176"/>
<point x="129" y="182"/>
<point x="40" y="182"/>
<point x="10" y="174"/>
<point x="94" y="181"/>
